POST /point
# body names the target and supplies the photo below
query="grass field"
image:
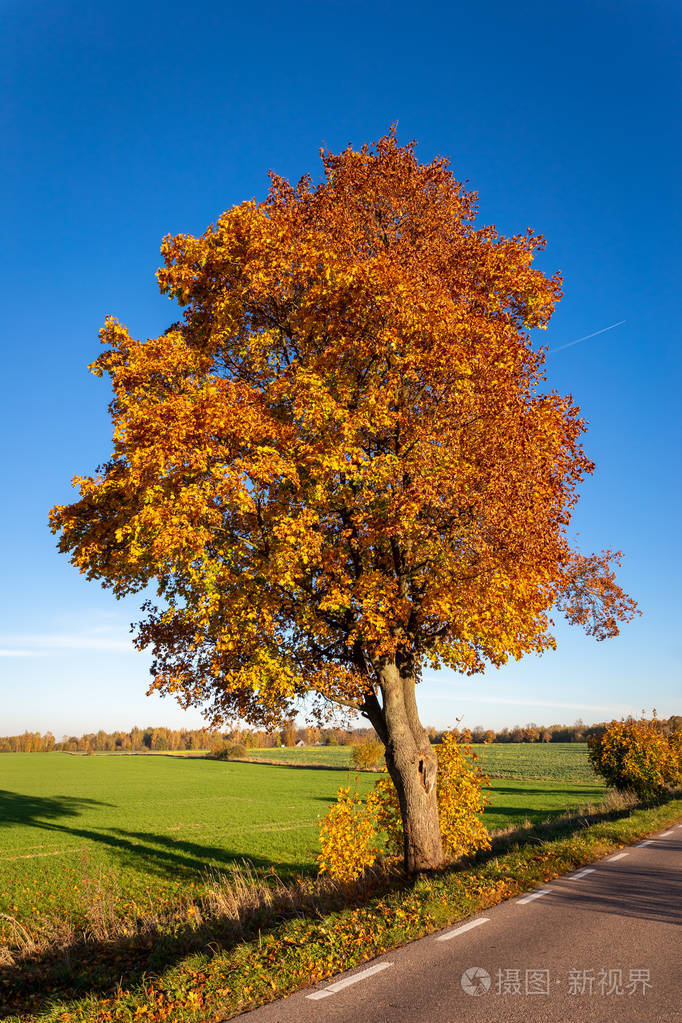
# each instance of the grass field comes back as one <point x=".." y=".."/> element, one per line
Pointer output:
<point x="153" y="826"/>
<point x="329" y="756"/>
<point x="556" y="761"/>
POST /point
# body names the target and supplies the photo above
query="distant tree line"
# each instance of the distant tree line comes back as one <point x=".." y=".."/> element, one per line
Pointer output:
<point x="137" y="740"/>
<point x="578" y="732"/>
<point x="172" y="740"/>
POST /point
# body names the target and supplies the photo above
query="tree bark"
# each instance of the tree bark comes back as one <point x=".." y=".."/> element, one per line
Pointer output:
<point x="413" y="768"/>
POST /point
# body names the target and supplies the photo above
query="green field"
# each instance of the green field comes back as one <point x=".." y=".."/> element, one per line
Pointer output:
<point x="153" y="826"/>
<point x="556" y="761"/>
<point x="329" y="756"/>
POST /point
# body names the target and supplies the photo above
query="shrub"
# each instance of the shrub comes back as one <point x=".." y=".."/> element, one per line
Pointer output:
<point x="237" y="752"/>
<point x="635" y="755"/>
<point x="675" y="743"/>
<point x="217" y="747"/>
<point x="368" y="754"/>
<point x="348" y="837"/>
<point x="461" y="799"/>
<point x="234" y="752"/>
<point x="351" y="833"/>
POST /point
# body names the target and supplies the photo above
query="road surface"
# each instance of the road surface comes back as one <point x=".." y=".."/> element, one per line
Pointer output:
<point x="603" y="944"/>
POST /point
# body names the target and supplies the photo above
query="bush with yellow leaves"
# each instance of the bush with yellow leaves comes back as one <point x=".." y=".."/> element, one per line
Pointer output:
<point x="368" y="754"/>
<point x="460" y="798"/>
<point x="352" y="832"/>
<point x="348" y="837"/>
<point x="675" y="741"/>
<point x="636" y="755"/>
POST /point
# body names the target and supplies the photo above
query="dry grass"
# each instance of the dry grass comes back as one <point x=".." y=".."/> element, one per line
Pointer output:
<point x="20" y="943"/>
<point x="232" y="903"/>
<point x="613" y="804"/>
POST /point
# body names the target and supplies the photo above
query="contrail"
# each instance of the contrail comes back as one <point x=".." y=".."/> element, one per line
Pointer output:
<point x="587" y="336"/>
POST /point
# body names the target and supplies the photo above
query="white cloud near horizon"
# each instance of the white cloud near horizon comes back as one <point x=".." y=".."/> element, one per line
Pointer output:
<point x="42" y="644"/>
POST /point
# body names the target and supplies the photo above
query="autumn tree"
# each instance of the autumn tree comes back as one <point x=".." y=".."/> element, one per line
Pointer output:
<point x="340" y="466"/>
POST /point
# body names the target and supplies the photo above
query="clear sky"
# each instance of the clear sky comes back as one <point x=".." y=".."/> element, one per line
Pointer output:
<point x="123" y="122"/>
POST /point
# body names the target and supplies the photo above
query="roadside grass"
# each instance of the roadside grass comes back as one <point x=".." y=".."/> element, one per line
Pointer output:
<point x="243" y="946"/>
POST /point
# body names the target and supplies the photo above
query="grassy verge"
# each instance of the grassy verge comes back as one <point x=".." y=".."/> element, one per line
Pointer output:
<point x="214" y="968"/>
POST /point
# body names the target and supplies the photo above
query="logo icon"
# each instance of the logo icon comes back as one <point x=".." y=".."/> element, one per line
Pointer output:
<point x="476" y="981"/>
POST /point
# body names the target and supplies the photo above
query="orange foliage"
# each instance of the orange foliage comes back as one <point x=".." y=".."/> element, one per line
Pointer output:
<point x="637" y="755"/>
<point x="342" y="454"/>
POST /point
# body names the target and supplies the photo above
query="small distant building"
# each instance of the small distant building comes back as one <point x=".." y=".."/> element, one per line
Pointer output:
<point x="300" y="742"/>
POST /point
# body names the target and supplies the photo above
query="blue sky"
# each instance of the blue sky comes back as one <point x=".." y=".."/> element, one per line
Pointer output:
<point x="124" y="122"/>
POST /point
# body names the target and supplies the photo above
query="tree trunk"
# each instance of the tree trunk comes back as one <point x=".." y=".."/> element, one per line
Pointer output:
<point x="413" y="768"/>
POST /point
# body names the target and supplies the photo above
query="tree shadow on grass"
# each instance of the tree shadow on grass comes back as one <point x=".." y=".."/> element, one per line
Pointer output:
<point x="34" y="811"/>
<point x="512" y="816"/>
<point x="164" y="857"/>
<point x="97" y="967"/>
<point x="549" y="786"/>
<point x="557" y="825"/>
<point x="100" y="967"/>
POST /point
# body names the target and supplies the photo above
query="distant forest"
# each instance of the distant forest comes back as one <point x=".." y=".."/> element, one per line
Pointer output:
<point x="145" y="740"/>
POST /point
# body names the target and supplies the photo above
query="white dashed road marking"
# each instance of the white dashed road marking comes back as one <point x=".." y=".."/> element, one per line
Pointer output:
<point x="347" y="981"/>
<point x="535" y="895"/>
<point x="464" y="927"/>
<point x="339" y="985"/>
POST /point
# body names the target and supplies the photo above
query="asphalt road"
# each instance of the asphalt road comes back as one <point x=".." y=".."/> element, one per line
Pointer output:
<point x="603" y="944"/>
